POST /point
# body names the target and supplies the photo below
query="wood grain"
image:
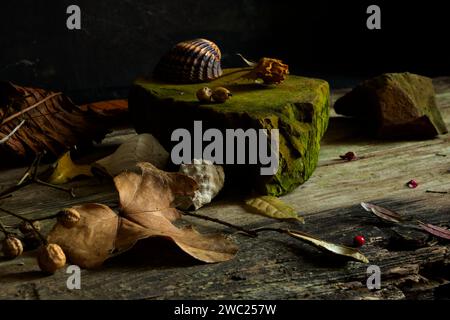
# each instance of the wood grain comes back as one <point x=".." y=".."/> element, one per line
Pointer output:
<point x="274" y="266"/>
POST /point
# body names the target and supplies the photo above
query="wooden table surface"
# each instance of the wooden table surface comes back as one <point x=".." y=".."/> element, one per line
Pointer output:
<point x="273" y="266"/>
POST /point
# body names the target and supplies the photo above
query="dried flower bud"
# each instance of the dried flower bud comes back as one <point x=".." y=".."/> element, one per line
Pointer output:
<point x="51" y="258"/>
<point x="69" y="218"/>
<point x="204" y="94"/>
<point x="26" y="227"/>
<point x="12" y="247"/>
<point x="221" y="94"/>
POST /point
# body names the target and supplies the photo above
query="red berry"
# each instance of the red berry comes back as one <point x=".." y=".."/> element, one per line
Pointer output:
<point x="412" y="184"/>
<point x="349" y="156"/>
<point x="359" y="241"/>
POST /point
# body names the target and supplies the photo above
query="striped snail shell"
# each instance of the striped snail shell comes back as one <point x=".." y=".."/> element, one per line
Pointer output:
<point x="190" y="61"/>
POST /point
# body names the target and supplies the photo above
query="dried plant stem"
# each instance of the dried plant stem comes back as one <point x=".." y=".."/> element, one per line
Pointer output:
<point x="30" y="221"/>
<point x="7" y="137"/>
<point x="439" y="192"/>
<point x="203" y="217"/>
<point x="31" y="176"/>
<point x="3" y="229"/>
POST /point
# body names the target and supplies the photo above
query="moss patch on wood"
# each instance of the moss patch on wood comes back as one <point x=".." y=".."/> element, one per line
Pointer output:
<point x="299" y="108"/>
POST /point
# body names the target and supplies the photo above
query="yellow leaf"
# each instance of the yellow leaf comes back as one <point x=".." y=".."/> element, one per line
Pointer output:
<point x="274" y="208"/>
<point x="67" y="170"/>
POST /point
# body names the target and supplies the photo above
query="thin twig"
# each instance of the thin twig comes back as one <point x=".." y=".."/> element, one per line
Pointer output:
<point x="5" y="139"/>
<point x="3" y="229"/>
<point x="31" y="176"/>
<point x="68" y="190"/>
<point x="30" y="108"/>
<point x="199" y="216"/>
<point x="440" y="192"/>
<point x="5" y="197"/>
<point x="30" y="221"/>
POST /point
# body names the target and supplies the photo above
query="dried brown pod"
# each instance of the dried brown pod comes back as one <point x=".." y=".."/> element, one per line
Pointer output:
<point x="69" y="218"/>
<point x="190" y="61"/>
<point x="26" y="227"/>
<point x="269" y="70"/>
<point x="221" y="94"/>
<point x="51" y="258"/>
<point x="12" y="247"/>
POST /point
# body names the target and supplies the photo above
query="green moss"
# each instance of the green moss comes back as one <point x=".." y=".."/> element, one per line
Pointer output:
<point x="299" y="108"/>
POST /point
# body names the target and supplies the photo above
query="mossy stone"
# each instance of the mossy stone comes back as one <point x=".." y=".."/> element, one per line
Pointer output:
<point x="299" y="108"/>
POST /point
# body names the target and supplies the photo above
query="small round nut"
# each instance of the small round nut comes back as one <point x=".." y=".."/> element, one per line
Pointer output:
<point x="204" y="94"/>
<point x="51" y="258"/>
<point x="69" y="218"/>
<point x="12" y="247"/>
<point x="26" y="227"/>
<point x="221" y="94"/>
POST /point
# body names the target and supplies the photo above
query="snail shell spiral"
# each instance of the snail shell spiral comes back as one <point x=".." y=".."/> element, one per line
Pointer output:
<point x="190" y="61"/>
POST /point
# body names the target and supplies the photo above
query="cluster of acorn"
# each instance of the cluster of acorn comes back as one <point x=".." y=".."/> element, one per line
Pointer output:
<point x="50" y="256"/>
<point x="219" y="94"/>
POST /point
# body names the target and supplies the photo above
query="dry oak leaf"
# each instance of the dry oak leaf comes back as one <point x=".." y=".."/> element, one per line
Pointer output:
<point x="146" y="211"/>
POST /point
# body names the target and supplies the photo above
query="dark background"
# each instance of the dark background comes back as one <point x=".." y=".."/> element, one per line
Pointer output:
<point x="121" y="39"/>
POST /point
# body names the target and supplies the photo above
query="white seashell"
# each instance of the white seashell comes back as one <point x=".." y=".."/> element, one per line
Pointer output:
<point x="210" y="179"/>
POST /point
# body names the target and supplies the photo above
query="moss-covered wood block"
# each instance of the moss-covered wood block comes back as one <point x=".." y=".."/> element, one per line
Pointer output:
<point x="299" y="108"/>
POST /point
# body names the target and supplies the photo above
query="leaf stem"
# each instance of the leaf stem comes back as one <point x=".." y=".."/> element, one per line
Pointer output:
<point x="203" y="217"/>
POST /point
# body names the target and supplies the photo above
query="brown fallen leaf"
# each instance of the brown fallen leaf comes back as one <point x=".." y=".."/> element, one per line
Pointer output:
<point x="66" y="170"/>
<point x="341" y="250"/>
<point x="435" y="230"/>
<point x="146" y="211"/>
<point x="92" y="240"/>
<point x="274" y="208"/>
<point x="382" y="213"/>
<point x="53" y="123"/>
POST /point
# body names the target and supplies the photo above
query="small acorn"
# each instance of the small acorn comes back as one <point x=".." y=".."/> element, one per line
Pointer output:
<point x="12" y="247"/>
<point x="26" y="227"/>
<point x="221" y="94"/>
<point x="51" y="258"/>
<point x="204" y="94"/>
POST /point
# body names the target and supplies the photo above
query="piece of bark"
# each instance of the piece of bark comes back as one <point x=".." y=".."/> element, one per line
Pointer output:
<point x="395" y="105"/>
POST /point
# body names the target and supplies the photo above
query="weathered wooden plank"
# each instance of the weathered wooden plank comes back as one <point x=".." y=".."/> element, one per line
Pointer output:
<point x="274" y="266"/>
